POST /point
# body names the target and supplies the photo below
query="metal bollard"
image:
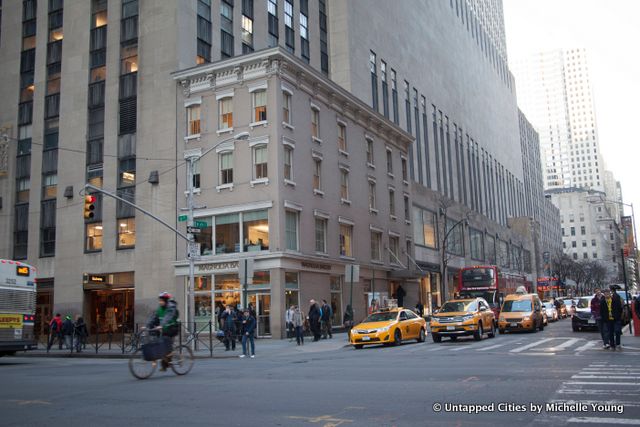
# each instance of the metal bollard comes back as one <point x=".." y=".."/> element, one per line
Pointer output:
<point x="210" y="340"/>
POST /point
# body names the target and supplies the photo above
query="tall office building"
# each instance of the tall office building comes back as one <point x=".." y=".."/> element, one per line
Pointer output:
<point x="555" y="92"/>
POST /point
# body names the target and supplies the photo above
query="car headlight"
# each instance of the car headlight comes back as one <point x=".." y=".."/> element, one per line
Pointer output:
<point x="385" y="329"/>
<point x="467" y="317"/>
<point x="525" y="318"/>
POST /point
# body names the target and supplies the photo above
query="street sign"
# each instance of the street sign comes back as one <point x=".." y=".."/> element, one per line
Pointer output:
<point x="546" y="256"/>
<point x="194" y="230"/>
<point x="193" y="250"/>
<point x="245" y="271"/>
<point x="348" y="271"/>
<point x="182" y="218"/>
<point x="200" y="224"/>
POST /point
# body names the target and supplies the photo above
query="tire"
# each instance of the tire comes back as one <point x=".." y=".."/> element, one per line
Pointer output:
<point x="436" y="338"/>
<point x="502" y="331"/>
<point x="575" y="328"/>
<point x="422" y="336"/>
<point x="358" y="346"/>
<point x="181" y="360"/>
<point x="397" y="337"/>
<point x="140" y="368"/>
<point x="541" y="326"/>
<point x="477" y="335"/>
<point x="492" y="333"/>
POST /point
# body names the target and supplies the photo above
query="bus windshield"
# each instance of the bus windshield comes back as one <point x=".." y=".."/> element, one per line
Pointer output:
<point x="478" y="277"/>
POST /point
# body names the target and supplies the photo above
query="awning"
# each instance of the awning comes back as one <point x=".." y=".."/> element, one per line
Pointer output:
<point x="406" y="274"/>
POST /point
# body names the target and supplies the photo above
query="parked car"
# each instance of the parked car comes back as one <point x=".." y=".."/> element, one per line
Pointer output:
<point x="582" y="318"/>
<point x="551" y="311"/>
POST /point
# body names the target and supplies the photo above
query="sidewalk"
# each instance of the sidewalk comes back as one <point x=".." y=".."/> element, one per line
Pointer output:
<point x="265" y="347"/>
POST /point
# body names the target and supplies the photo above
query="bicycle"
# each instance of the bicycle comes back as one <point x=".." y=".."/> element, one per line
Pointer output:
<point x="143" y="363"/>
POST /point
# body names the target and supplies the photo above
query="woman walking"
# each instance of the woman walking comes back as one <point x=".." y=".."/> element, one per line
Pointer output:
<point x="297" y="319"/>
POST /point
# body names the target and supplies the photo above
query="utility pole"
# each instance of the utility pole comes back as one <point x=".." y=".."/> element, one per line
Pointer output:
<point x="191" y="156"/>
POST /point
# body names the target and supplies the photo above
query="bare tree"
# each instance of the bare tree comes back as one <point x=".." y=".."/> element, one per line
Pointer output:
<point x="562" y="265"/>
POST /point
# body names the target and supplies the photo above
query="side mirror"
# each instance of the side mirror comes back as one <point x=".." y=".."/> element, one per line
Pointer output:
<point x="483" y="308"/>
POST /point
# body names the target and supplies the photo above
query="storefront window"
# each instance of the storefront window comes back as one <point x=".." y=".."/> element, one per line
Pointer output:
<point x="261" y="278"/>
<point x="255" y="229"/>
<point x="227" y="290"/>
<point x="227" y="234"/>
<point x="205" y="236"/>
<point x="202" y="307"/>
<point x="490" y="249"/>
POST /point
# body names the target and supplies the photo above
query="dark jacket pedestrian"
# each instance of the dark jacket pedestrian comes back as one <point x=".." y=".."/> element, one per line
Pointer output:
<point x="55" y="331"/>
<point x="81" y="333"/>
<point x="326" y="318"/>
<point x="596" y="305"/>
<point x="67" y="332"/>
<point x="400" y="294"/>
<point x="248" y="333"/>
<point x="228" y="321"/>
<point x="611" y="314"/>
<point x="314" y="320"/>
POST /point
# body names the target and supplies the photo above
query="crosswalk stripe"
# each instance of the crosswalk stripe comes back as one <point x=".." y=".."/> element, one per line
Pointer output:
<point x="491" y="347"/>
<point x="598" y="383"/>
<point x="598" y="420"/>
<point x="566" y="344"/>
<point x="598" y="402"/>
<point x="587" y="346"/>
<point x="464" y="347"/>
<point x="435" y="348"/>
<point x="528" y="346"/>
<point x="609" y="377"/>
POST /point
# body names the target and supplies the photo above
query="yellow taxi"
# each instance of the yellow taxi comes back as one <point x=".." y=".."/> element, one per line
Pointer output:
<point x="463" y="317"/>
<point x="389" y="326"/>
<point x="521" y="312"/>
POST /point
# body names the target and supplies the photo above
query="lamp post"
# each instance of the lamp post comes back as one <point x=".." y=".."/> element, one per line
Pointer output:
<point x="443" y="261"/>
<point x="191" y="157"/>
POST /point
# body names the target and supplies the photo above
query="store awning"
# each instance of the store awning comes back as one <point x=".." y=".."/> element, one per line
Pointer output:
<point x="406" y="274"/>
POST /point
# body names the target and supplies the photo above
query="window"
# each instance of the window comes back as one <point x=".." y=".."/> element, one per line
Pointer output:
<point x="376" y="246"/>
<point x="477" y="249"/>
<point x="372" y="195"/>
<point x="321" y="235"/>
<point x="304" y="36"/>
<point x="389" y="162"/>
<point x="286" y="107"/>
<point x="573" y="231"/>
<point x="574" y="244"/>
<point x="259" y="105"/>
<point x="49" y="186"/>
<point x="260" y="162"/>
<point x="196" y="175"/>
<point x="583" y="230"/>
<point x="405" y="174"/>
<point x="227" y="233"/>
<point x="407" y="210"/>
<point x="291" y="230"/>
<point x="342" y="137"/>
<point x="424" y="227"/>
<point x="394" y="248"/>
<point x="374" y="80"/>
<point x="23" y="186"/>
<point x="126" y="233"/>
<point x="315" y="123"/>
<point x="593" y="242"/>
<point x="129" y="61"/>
<point x="454" y="243"/>
<point x="289" y="34"/>
<point x="288" y="163"/>
<point x="193" y="120"/>
<point x="226" y="168"/>
<point x="94" y="237"/>
<point x="225" y="109"/>
<point x="247" y="32"/>
<point x="346" y="240"/>
<point x="370" y="152"/>
<point x="317" y="174"/>
<point x="344" y="184"/>
<point x="392" y="202"/>
<point x="255" y="231"/>
<point x="272" y="8"/>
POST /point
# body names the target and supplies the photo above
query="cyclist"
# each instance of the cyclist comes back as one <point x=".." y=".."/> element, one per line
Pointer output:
<point x="165" y="320"/>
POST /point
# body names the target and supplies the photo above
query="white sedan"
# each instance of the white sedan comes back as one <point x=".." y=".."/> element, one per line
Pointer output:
<point x="551" y="311"/>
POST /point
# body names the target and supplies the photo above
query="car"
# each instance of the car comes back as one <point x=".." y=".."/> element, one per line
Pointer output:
<point x="463" y="317"/>
<point x="582" y="317"/>
<point x="561" y="308"/>
<point x="389" y="326"/>
<point x="521" y="312"/>
<point x="570" y="304"/>
<point x="550" y="310"/>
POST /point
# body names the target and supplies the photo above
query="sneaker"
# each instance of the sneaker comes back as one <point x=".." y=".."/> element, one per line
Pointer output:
<point x="606" y="346"/>
<point x="253" y="356"/>
<point x="241" y="356"/>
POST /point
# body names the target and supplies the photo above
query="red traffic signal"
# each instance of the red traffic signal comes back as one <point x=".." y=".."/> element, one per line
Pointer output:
<point x="89" y="206"/>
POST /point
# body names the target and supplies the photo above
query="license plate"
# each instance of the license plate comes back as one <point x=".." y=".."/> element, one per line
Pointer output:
<point x="513" y="325"/>
<point x="366" y="338"/>
<point x="17" y="333"/>
<point x="451" y="328"/>
<point x="591" y="321"/>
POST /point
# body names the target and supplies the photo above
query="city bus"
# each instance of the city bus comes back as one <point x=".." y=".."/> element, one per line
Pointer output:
<point x="488" y="282"/>
<point x="17" y="307"/>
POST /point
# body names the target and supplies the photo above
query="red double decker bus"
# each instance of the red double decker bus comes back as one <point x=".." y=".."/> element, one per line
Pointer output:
<point x="488" y="282"/>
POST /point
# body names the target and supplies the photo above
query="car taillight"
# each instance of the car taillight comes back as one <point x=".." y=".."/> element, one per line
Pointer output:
<point x="29" y="318"/>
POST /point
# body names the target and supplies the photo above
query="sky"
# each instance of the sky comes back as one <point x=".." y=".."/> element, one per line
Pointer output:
<point x="609" y="30"/>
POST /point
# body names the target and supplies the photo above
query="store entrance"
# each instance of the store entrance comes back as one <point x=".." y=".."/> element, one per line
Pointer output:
<point x="262" y="305"/>
<point x="110" y="310"/>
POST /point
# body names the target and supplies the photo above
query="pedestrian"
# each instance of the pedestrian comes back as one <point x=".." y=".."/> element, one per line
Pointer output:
<point x="400" y="294"/>
<point x="288" y="320"/>
<point x="596" y="303"/>
<point x="611" y="314"/>
<point x="81" y="333"/>
<point x="314" y="319"/>
<point x="297" y="320"/>
<point x="228" y="320"/>
<point x="248" y="333"/>
<point x="420" y="309"/>
<point x="374" y="306"/>
<point x="327" y="316"/>
<point x="348" y="319"/>
<point x="55" y="331"/>
<point x="67" y="332"/>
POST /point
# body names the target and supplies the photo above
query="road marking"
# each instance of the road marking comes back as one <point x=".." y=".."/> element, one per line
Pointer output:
<point x="327" y="420"/>
<point x="596" y="420"/>
<point x="537" y="354"/>
<point x="460" y="348"/>
<point x="528" y="346"/>
<point x="597" y="402"/>
<point x="588" y="346"/>
<point x="605" y="377"/>
<point x="30" y="402"/>
<point x="436" y="348"/>
<point x="566" y="344"/>
<point x="491" y="347"/>
<point x="598" y="383"/>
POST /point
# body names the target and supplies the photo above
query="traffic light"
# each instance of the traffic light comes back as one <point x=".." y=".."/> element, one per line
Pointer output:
<point x="89" y="206"/>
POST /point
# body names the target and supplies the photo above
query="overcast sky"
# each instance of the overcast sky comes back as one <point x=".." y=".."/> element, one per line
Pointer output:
<point x="610" y="31"/>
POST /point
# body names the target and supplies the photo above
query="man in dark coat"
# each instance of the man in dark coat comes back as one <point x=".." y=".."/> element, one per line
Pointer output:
<point x="228" y="320"/>
<point x="596" y="303"/>
<point x="326" y="319"/>
<point x="81" y="333"/>
<point x="55" y="331"/>
<point x="314" y="319"/>
<point x="611" y="314"/>
<point x="67" y="332"/>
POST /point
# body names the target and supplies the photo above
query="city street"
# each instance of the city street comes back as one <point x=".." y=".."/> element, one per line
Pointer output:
<point x="395" y="386"/>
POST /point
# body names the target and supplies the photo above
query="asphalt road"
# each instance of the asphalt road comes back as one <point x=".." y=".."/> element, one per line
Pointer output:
<point x="396" y="386"/>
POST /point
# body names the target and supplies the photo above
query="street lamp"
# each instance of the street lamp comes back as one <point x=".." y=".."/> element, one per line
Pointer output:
<point x="443" y="266"/>
<point x="191" y="157"/>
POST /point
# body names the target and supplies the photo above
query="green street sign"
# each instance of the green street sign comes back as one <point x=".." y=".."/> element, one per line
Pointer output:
<point x="182" y="218"/>
<point x="200" y="224"/>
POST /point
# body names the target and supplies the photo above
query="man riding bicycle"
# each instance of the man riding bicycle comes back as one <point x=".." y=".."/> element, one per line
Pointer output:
<point x="165" y="320"/>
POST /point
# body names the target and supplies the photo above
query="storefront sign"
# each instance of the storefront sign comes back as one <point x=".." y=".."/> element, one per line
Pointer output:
<point x="10" y="321"/>
<point x="315" y="265"/>
<point x="232" y="265"/>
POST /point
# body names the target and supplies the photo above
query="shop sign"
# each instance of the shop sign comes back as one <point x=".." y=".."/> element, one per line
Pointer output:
<point x="315" y="265"/>
<point x="218" y="266"/>
<point x="10" y="321"/>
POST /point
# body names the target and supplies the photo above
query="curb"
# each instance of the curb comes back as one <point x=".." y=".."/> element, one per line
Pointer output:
<point x="102" y="356"/>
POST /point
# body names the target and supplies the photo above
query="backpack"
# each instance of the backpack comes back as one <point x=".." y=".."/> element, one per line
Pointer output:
<point x="53" y="325"/>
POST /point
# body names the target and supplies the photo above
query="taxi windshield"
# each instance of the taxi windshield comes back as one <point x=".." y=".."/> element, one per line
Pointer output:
<point x="381" y="317"/>
<point x="453" y="306"/>
<point x="516" y="305"/>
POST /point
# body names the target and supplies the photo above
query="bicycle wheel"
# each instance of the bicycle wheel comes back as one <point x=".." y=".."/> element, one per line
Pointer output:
<point x="140" y="368"/>
<point x="181" y="360"/>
